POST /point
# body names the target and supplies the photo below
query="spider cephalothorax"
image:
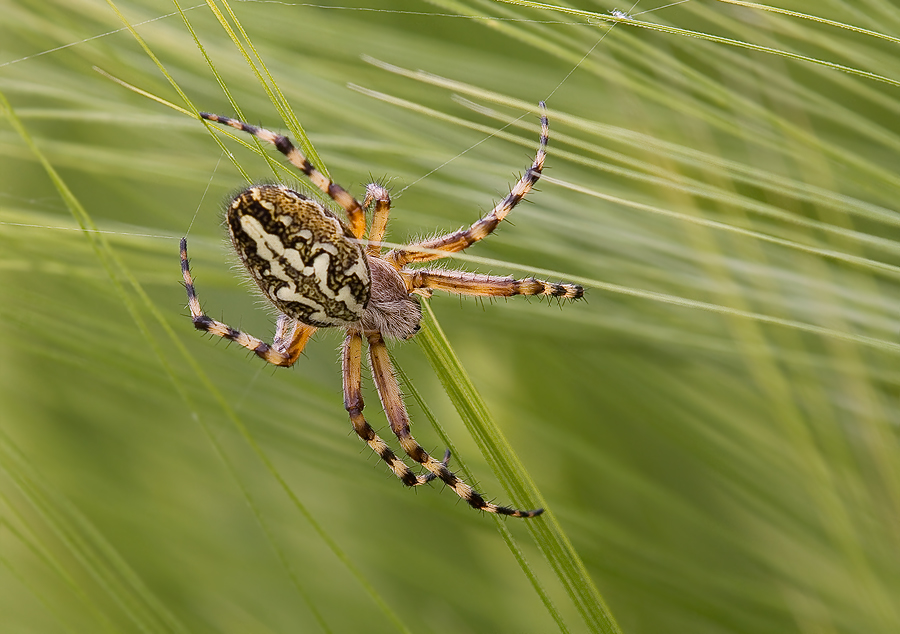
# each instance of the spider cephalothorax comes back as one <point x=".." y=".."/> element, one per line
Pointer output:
<point x="315" y="270"/>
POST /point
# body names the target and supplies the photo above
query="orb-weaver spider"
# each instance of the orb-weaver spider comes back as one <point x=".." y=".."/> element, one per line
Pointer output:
<point x="320" y="272"/>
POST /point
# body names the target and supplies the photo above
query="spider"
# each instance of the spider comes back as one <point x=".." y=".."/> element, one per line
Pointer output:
<point x="320" y="272"/>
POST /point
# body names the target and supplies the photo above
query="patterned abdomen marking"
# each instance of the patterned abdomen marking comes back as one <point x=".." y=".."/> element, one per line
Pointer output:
<point x="300" y="255"/>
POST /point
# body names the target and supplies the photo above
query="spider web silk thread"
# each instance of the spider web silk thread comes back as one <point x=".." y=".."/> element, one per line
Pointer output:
<point x="96" y="37"/>
<point x="629" y="13"/>
<point x="586" y="55"/>
<point x="205" y="191"/>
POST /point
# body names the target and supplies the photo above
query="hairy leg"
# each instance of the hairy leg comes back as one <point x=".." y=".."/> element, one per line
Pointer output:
<point x="281" y="352"/>
<point x="465" y="283"/>
<point x="464" y="238"/>
<point x="392" y="401"/>
<point x="337" y="193"/>
<point x="382" y="199"/>
<point x="351" y="354"/>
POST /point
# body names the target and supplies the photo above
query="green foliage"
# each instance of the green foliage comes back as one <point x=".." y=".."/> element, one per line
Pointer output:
<point x="713" y="431"/>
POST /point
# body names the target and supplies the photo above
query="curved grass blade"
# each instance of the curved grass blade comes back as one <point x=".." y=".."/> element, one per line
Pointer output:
<point x="813" y="18"/>
<point x="706" y="36"/>
<point x="546" y="531"/>
<point x="499" y="521"/>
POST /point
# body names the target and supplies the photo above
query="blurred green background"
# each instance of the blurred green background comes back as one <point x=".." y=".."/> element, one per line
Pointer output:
<point x="714" y="428"/>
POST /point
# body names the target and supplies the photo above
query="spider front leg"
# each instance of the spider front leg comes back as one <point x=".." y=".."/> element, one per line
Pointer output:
<point x="382" y="199"/>
<point x="283" y="352"/>
<point x="464" y="238"/>
<point x="395" y="409"/>
<point x="337" y="193"/>
<point x="476" y="284"/>
<point x="351" y="354"/>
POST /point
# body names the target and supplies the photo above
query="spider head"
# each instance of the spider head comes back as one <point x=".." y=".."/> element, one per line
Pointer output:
<point x="391" y="309"/>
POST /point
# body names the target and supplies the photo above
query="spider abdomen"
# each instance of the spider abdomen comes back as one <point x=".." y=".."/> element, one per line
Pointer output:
<point x="300" y="255"/>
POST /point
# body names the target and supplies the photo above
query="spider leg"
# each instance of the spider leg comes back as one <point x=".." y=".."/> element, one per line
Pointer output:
<point x="294" y="344"/>
<point x="394" y="408"/>
<point x="351" y="353"/>
<point x="279" y="342"/>
<point x="382" y="199"/>
<point x="279" y="353"/>
<point x="337" y="193"/>
<point x="464" y="238"/>
<point x="476" y="284"/>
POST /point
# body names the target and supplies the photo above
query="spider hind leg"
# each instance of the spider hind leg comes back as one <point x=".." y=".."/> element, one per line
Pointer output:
<point x="351" y="354"/>
<point x="394" y="408"/>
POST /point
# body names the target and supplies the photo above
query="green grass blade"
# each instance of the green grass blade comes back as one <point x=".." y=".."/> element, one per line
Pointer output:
<point x="705" y="36"/>
<point x="460" y="467"/>
<point x="509" y="470"/>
